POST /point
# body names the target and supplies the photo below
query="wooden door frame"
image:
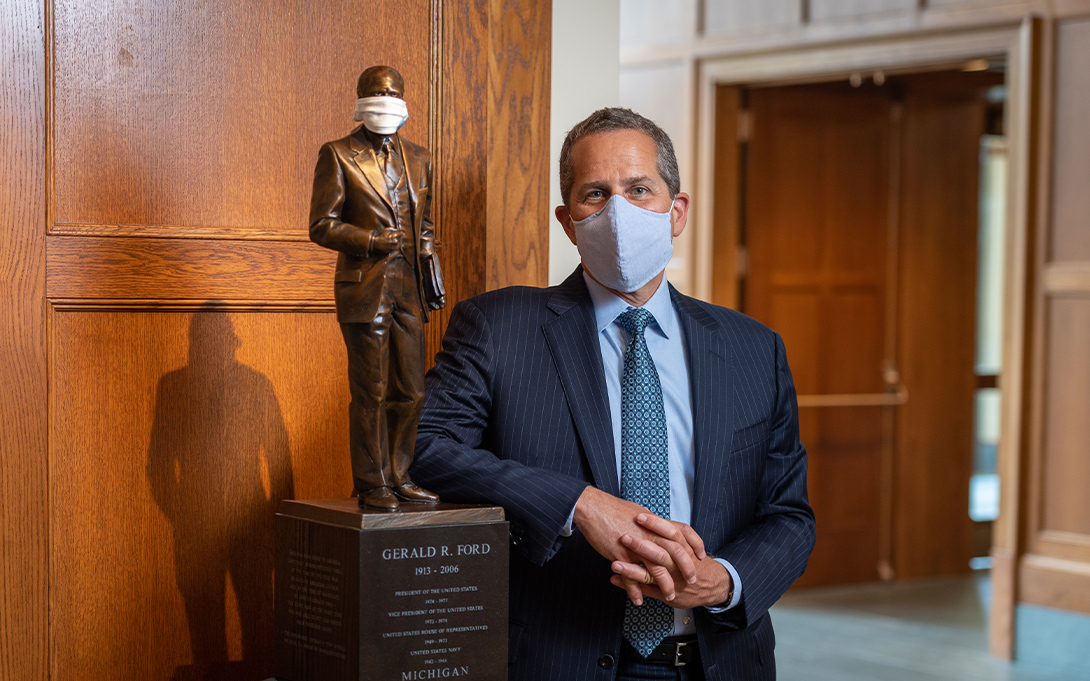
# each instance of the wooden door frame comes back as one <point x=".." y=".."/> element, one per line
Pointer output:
<point x="1019" y="43"/>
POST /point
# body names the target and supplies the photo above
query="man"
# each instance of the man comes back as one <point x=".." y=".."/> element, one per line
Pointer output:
<point x="372" y="203"/>
<point x="632" y="434"/>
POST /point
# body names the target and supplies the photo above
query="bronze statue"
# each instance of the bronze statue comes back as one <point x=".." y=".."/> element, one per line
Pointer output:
<point x="372" y="203"/>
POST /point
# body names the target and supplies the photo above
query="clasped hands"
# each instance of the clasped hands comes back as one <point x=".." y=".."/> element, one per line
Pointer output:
<point x="652" y="557"/>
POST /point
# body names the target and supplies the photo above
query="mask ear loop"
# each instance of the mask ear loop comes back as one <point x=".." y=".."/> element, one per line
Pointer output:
<point x="673" y="202"/>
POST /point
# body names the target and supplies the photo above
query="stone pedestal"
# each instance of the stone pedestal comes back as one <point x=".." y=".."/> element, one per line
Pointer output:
<point x="406" y="596"/>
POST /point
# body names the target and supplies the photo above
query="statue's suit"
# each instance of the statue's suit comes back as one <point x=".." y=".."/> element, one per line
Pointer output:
<point x="379" y="296"/>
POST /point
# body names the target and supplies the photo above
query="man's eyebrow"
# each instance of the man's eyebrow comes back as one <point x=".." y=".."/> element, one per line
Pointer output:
<point x="593" y="184"/>
<point x="627" y="182"/>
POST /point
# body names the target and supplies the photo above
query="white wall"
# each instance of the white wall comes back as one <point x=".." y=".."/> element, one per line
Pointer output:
<point x="663" y="93"/>
<point x="586" y="57"/>
<point x="662" y="90"/>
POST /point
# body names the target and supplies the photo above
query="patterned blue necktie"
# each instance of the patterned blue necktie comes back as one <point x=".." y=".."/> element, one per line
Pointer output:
<point x="645" y="466"/>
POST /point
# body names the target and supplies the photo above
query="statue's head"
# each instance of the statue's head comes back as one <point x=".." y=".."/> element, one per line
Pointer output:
<point x="380" y="81"/>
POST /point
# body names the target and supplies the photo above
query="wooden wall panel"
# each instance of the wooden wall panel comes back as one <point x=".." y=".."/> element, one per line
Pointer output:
<point x="23" y="436"/>
<point x="1055" y="569"/>
<point x="461" y="165"/>
<point x="1071" y="145"/>
<point x="1065" y="505"/>
<point x="212" y="114"/>
<point x="461" y="161"/>
<point x="158" y="174"/>
<point x="936" y="330"/>
<point x="174" y="436"/>
<point x="518" y="142"/>
<point x="492" y="151"/>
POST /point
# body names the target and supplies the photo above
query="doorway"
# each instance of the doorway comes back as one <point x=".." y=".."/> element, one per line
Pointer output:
<point x="857" y="238"/>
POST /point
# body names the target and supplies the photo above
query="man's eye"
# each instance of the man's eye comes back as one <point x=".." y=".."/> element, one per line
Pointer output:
<point x="639" y="191"/>
<point x="593" y="195"/>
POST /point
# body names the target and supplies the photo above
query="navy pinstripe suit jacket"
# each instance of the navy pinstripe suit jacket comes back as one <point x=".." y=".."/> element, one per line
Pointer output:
<point x="516" y="414"/>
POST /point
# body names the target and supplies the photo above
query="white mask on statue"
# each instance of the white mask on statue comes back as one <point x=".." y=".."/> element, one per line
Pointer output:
<point x="380" y="114"/>
<point x="624" y="246"/>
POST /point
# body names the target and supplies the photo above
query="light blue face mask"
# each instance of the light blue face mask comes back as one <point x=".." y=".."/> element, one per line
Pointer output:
<point x="624" y="246"/>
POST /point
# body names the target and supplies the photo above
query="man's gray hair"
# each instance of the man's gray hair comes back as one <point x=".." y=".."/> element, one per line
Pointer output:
<point x="612" y="119"/>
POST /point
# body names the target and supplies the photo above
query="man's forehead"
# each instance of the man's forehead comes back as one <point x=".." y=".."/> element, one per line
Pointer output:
<point x="626" y="138"/>
<point x="629" y="153"/>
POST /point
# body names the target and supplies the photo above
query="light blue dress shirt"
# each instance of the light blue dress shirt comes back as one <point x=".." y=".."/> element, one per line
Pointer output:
<point x="667" y="348"/>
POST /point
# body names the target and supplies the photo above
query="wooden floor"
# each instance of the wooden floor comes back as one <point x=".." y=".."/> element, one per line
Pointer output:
<point x="933" y="630"/>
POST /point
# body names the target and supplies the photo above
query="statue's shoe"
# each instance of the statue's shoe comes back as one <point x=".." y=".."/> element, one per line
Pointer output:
<point x="410" y="491"/>
<point x="381" y="498"/>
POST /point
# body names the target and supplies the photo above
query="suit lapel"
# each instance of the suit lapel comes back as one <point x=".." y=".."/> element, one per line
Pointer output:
<point x="405" y="169"/>
<point x="414" y="206"/>
<point x="572" y="338"/>
<point x="711" y="380"/>
<point x="364" y="157"/>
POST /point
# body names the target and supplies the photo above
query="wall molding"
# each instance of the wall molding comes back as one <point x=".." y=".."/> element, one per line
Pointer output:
<point x="1066" y="278"/>
<point x="882" y="26"/>
<point x="178" y="232"/>
<point x="1054" y="583"/>
<point x="161" y="305"/>
<point x="1061" y="537"/>
<point x="170" y="269"/>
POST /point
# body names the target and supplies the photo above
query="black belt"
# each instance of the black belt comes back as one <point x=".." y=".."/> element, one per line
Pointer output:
<point x="674" y="650"/>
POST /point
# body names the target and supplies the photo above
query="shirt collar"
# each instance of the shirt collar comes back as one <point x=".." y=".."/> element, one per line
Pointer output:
<point x="608" y="306"/>
<point x="374" y="139"/>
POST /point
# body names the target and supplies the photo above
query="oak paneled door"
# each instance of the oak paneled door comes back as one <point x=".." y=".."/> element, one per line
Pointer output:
<point x="861" y="229"/>
<point x="171" y="364"/>
<point x="817" y="228"/>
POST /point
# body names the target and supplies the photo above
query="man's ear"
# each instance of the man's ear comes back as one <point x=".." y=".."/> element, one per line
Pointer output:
<point x="564" y="218"/>
<point x="679" y="214"/>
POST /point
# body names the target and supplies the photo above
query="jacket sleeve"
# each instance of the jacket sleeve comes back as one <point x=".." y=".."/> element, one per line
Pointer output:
<point x="326" y="206"/>
<point x="427" y="229"/>
<point x="451" y="458"/>
<point x="773" y="551"/>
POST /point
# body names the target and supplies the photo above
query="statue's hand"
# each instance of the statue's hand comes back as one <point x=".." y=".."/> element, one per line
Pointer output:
<point x="386" y="241"/>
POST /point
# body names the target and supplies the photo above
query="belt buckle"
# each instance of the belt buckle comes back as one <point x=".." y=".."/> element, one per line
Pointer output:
<point x="677" y="653"/>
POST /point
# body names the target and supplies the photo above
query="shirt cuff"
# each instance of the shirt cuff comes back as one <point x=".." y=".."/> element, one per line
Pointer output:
<point x="736" y="596"/>
<point x="566" y="530"/>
